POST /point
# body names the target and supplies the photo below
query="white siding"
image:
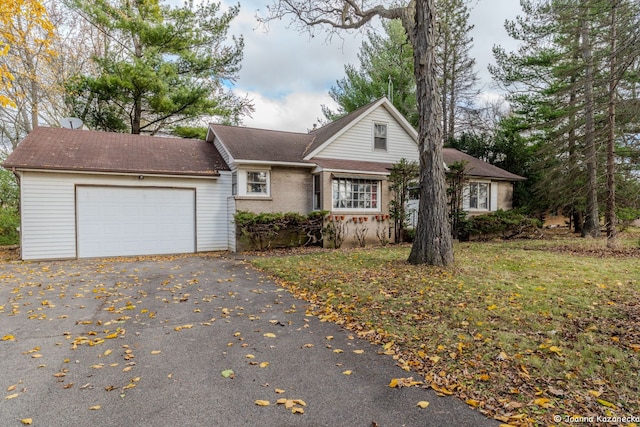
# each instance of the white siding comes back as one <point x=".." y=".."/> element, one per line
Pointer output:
<point x="48" y="216"/>
<point x="231" y="210"/>
<point x="223" y="152"/>
<point x="357" y="142"/>
<point x="48" y="225"/>
<point x="212" y="221"/>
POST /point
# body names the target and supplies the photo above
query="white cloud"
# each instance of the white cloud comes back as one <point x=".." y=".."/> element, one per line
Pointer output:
<point x="288" y="74"/>
<point x="296" y="112"/>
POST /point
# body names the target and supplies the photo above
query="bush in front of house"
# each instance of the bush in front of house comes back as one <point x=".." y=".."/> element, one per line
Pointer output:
<point x="498" y="224"/>
<point x="9" y="223"/>
<point x="261" y="231"/>
<point x="9" y="208"/>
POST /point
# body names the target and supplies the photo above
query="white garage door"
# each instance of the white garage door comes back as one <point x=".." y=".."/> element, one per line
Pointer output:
<point x="117" y="221"/>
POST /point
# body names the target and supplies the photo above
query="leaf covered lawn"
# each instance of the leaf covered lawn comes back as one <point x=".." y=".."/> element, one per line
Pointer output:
<point x="521" y="331"/>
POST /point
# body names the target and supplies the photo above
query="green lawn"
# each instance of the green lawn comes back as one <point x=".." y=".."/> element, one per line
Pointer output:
<point x="521" y="330"/>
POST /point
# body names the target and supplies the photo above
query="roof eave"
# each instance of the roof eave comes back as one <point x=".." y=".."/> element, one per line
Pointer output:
<point x="182" y="174"/>
<point x="273" y="163"/>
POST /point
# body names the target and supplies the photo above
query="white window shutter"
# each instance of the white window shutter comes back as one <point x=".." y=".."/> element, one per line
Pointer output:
<point x="493" y="206"/>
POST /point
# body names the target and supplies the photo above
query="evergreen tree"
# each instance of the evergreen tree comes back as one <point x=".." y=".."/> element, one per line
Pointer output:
<point x="457" y="73"/>
<point x="160" y="66"/>
<point x="560" y="87"/>
<point x="386" y="69"/>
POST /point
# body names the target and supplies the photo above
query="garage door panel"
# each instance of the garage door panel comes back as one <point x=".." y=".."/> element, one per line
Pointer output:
<point x="115" y="221"/>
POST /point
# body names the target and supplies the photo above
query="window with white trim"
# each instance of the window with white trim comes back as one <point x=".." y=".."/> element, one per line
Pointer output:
<point x="379" y="136"/>
<point x="257" y="183"/>
<point x="355" y="194"/>
<point x="477" y="196"/>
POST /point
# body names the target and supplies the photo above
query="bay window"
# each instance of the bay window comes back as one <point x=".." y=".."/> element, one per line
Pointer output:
<point x="355" y="194"/>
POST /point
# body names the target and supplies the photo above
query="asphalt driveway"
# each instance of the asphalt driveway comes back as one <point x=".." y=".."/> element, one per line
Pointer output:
<point x="145" y="342"/>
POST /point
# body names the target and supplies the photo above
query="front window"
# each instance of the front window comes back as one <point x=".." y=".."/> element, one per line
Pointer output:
<point x="353" y="194"/>
<point x="379" y="136"/>
<point x="478" y="194"/>
<point x="257" y="182"/>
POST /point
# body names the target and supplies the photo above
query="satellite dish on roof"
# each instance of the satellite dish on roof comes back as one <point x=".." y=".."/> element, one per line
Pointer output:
<point x="71" y="123"/>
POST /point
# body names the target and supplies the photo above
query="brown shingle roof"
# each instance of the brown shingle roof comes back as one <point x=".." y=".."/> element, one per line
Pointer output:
<point x="84" y="150"/>
<point x="276" y="146"/>
<point x="478" y="168"/>
<point x="245" y="143"/>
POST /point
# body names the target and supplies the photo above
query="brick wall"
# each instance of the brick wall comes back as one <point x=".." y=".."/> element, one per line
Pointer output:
<point x="291" y="190"/>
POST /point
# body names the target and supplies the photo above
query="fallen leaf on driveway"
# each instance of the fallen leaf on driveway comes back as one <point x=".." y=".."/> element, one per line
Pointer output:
<point x="403" y="382"/>
<point x="156" y="352"/>
<point x="262" y="402"/>
<point x="26" y="421"/>
<point x="11" y="396"/>
<point x="95" y="407"/>
<point x="423" y="404"/>
<point x="441" y="390"/>
<point x="227" y="373"/>
<point x="270" y="335"/>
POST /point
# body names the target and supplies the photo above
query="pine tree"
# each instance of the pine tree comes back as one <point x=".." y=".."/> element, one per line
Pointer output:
<point x="161" y="66"/>
<point x="561" y="82"/>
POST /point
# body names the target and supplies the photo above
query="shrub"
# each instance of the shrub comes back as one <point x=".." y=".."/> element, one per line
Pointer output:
<point x="264" y="228"/>
<point x="505" y="224"/>
<point x="9" y="223"/>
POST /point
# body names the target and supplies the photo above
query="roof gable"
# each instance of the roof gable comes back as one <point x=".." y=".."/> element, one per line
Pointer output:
<point x="93" y="151"/>
<point x="329" y="133"/>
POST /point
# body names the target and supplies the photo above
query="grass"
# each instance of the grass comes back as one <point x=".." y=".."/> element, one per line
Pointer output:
<point x="521" y="330"/>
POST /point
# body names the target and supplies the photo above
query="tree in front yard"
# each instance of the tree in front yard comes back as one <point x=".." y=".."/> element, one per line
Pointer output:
<point x="433" y="243"/>
<point x="160" y="66"/>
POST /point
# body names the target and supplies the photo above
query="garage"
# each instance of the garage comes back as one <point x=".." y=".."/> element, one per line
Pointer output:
<point x="116" y="221"/>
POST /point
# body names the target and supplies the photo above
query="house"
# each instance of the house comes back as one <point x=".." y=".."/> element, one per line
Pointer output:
<point x="89" y="194"/>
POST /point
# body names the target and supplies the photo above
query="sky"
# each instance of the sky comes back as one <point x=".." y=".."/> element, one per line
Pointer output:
<point x="288" y="75"/>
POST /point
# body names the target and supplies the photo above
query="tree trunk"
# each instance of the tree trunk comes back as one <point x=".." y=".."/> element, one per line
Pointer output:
<point x="433" y="243"/>
<point x="592" y="221"/>
<point x="610" y="212"/>
<point x="137" y="116"/>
